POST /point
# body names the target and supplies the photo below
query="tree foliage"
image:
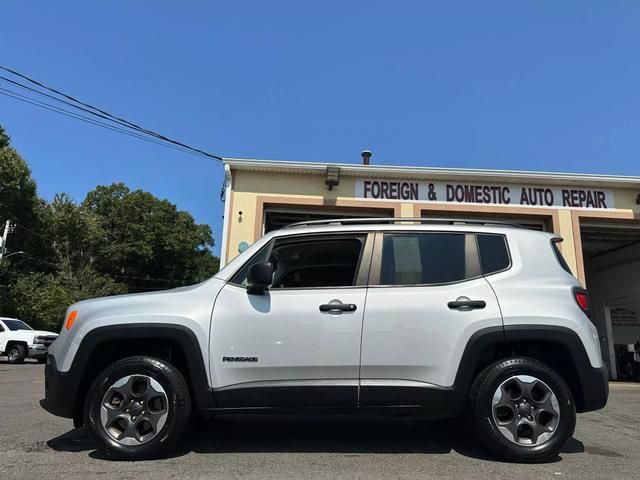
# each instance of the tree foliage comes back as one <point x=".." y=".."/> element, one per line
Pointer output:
<point x="19" y="201"/>
<point x="115" y="241"/>
<point x="4" y="138"/>
<point x="42" y="298"/>
<point x="146" y="236"/>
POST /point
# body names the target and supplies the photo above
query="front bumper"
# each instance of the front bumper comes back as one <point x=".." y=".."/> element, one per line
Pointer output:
<point x="37" y="351"/>
<point x="595" y="389"/>
<point x="59" y="390"/>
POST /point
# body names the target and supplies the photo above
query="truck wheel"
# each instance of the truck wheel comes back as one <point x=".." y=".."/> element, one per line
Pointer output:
<point x="16" y="353"/>
<point x="523" y="410"/>
<point x="138" y="408"/>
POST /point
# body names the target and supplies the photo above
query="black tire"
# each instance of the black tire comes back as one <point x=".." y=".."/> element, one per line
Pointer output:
<point x="178" y="407"/>
<point x="17" y="353"/>
<point x="42" y="359"/>
<point x="487" y="431"/>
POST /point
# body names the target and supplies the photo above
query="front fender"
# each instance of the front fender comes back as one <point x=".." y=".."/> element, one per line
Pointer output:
<point x="62" y="387"/>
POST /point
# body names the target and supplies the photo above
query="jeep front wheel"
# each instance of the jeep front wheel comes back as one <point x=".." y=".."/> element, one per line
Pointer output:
<point x="524" y="410"/>
<point x="138" y="408"/>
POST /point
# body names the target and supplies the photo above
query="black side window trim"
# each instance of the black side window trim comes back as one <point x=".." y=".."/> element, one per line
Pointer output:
<point x="506" y="244"/>
<point x="234" y="277"/>
<point x="558" y="254"/>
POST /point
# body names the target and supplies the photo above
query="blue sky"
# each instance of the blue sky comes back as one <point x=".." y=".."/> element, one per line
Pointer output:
<point x="541" y="85"/>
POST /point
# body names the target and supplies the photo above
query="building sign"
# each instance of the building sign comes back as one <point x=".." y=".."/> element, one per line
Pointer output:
<point x="484" y="194"/>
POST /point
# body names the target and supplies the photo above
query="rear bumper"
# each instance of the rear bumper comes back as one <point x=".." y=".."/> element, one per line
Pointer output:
<point x="59" y="390"/>
<point x="595" y="388"/>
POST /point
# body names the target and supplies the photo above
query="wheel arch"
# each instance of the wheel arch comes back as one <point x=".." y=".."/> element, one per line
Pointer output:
<point x="558" y="347"/>
<point x="174" y="343"/>
<point x="11" y="343"/>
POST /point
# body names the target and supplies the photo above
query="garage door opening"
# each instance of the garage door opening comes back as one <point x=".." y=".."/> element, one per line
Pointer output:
<point x="538" y="222"/>
<point x="611" y="254"/>
<point x="277" y="217"/>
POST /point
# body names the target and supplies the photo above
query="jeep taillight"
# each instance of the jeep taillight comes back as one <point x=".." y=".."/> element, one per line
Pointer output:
<point x="582" y="299"/>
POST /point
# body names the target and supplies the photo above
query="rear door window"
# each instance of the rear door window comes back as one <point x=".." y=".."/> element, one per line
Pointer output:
<point x="423" y="258"/>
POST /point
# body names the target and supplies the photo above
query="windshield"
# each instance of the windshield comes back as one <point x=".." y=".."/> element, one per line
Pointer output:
<point x="14" y="325"/>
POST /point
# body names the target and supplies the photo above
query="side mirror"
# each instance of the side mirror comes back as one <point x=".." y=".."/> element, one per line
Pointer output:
<point x="259" y="277"/>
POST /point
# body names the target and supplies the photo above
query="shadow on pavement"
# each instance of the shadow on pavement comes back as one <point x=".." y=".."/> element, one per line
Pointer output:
<point x="27" y="361"/>
<point x="322" y="434"/>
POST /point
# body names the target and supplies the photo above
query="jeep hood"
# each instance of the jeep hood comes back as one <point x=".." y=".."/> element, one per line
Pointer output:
<point x="179" y="305"/>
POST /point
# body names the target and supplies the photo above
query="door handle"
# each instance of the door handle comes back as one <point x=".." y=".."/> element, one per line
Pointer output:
<point x="338" y="307"/>
<point x="467" y="304"/>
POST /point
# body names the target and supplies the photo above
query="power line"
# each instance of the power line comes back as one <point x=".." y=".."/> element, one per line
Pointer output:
<point x="76" y="101"/>
<point x="33" y="232"/>
<point x="26" y="87"/>
<point x="60" y="110"/>
<point x="82" y="118"/>
<point x="102" y="113"/>
<point x="39" y="260"/>
<point x="147" y="279"/>
<point x="79" y="117"/>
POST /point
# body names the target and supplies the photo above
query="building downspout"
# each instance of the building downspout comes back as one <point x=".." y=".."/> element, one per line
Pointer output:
<point x="226" y="215"/>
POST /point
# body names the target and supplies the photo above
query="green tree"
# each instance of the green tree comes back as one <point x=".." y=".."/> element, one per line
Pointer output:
<point x="75" y="231"/>
<point x="148" y="242"/>
<point x="19" y="203"/>
<point x="42" y="298"/>
<point x="116" y="241"/>
<point x="4" y="138"/>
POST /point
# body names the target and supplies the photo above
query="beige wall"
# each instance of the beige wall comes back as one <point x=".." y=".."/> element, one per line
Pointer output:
<point x="291" y="184"/>
<point x="252" y="191"/>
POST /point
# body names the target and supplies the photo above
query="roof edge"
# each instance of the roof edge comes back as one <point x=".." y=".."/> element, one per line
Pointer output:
<point x="416" y="172"/>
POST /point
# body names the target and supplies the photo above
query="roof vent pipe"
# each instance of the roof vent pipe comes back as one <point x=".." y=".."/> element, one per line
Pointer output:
<point x="366" y="155"/>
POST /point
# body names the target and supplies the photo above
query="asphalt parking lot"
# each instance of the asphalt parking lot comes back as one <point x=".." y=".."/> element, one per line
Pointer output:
<point x="34" y="444"/>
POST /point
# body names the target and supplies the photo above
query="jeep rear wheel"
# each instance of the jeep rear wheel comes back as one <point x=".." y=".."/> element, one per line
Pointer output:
<point x="524" y="411"/>
<point x="16" y="353"/>
<point x="138" y="408"/>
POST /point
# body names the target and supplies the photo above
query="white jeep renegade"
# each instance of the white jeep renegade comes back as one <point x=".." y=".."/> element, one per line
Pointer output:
<point x="429" y="317"/>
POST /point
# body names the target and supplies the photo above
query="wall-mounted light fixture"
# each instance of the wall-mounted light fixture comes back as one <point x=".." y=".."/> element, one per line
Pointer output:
<point x="333" y="177"/>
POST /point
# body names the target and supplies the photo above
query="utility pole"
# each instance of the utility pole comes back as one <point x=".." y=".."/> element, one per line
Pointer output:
<point x="3" y="239"/>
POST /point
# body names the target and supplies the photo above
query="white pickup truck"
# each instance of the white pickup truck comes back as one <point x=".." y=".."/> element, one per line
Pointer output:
<point x="19" y="341"/>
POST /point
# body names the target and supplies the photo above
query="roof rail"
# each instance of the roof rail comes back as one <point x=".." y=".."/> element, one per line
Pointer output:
<point x="393" y="220"/>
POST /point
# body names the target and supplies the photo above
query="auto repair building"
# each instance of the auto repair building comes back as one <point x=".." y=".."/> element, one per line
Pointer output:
<point x="598" y="217"/>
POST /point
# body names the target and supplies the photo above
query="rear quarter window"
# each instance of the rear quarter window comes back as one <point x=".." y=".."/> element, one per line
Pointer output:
<point x="556" y="250"/>
<point x="494" y="254"/>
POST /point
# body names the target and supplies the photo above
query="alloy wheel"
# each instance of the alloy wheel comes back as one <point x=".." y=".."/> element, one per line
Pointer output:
<point x="134" y="409"/>
<point x="525" y="410"/>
